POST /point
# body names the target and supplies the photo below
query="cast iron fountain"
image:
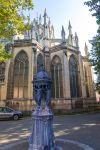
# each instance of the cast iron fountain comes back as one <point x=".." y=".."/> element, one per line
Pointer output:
<point x="42" y="137"/>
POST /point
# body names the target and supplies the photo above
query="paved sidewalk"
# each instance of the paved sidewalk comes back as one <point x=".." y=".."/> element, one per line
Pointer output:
<point x="78" y="131"/>
<point x="24" y="146"/>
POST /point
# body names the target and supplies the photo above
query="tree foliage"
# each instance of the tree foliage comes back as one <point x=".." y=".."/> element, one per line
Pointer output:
<point x="94" y="6"/>
<point x="3" y="54"/>
<point x="12" y="20"/>
<point x="12" y="17"/>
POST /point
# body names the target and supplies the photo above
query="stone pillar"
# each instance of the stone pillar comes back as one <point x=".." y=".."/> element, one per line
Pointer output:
<point x="6" y="76"/>
<point x="30" y="91"/>
<point x="82" y="76"/>
<point x="34" y="60"/>
<point x="10" y="85"/>
<point x="90" y="81"/>
<point x="66" y="77"/>
<point x="93" y="94"/>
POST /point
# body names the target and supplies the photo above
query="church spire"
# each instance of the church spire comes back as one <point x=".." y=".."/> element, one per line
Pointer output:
<point x="76" y="40"/>
<point x="70" y="28"/>
<point x="45" y="31"/>
<point x="63" y="34"/>
<point x="70" y="36"/>
<point x="40" y="19"/>
<point x="49" y="28"/>
<point x="86" y="50"/>
<point x="45" y="17"/>
<point x="33" y="23"/>
<point x="49" y="22"/>
<point x="45" y="25"/>
<point x="37" y="18"/>
<point x="52" y="32"/>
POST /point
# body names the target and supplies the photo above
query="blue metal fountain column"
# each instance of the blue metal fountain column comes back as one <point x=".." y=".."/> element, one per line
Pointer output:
<point x="42" y="137"/>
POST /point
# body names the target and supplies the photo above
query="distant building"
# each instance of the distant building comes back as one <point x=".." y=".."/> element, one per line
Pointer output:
<point x="69" y="70"/>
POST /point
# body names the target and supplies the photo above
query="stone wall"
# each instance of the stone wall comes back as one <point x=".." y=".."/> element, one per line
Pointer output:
<point x="62" y="105"/>
<point x="26" y="106"/>
<point x="2" y="103"/>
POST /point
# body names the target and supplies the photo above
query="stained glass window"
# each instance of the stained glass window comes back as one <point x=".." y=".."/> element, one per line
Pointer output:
<point x="39" y="61"/>
<point x="21" y="68"/>
<point x="56" y="74"/>
<point x="74" y="79"/>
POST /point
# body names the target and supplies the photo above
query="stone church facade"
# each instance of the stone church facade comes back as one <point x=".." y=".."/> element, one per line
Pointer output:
<point x="70" y="71"/>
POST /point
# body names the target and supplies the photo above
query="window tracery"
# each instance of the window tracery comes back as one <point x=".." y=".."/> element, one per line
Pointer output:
<point x="74" y="79"/>
<point x="56" y="74"/>
<point x="21" y="68"/>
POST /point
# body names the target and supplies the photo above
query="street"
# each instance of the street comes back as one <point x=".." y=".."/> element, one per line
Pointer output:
<point x="83" y="128"/>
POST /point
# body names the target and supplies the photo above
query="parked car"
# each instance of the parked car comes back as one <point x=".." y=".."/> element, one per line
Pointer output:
<point x="7" y="113"/>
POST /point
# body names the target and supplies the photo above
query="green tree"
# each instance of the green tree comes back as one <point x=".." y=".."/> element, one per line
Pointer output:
<point x="94" y="6"/>
<point x="12" y="21"/>
<point x="3" y="54"/>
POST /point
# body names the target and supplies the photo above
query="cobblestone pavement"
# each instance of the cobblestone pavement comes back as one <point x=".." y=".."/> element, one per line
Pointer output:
<point x="81" y="129"/>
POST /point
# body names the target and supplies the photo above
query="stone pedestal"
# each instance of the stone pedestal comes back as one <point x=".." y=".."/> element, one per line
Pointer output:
<point x="42" y="137"/>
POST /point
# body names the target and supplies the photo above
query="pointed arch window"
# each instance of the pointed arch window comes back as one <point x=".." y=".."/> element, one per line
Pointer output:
<point x="2" y="72"/>
<point x="21" y="68"/>
<point x="74" y="79"/>
<point x="39" y="60"/>
<point x="56" y="74"/>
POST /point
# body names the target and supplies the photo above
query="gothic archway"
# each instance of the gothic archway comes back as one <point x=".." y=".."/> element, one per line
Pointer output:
<point x="21" y="69"/>
<point x="57" y="80"/>
<point x="74" y="79"/>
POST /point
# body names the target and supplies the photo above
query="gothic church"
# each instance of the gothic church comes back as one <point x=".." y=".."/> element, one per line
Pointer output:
<point x="69" y="70"/>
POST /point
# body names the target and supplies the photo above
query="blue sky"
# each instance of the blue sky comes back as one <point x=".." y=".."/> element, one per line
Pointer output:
<point x="61" y="11"/>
